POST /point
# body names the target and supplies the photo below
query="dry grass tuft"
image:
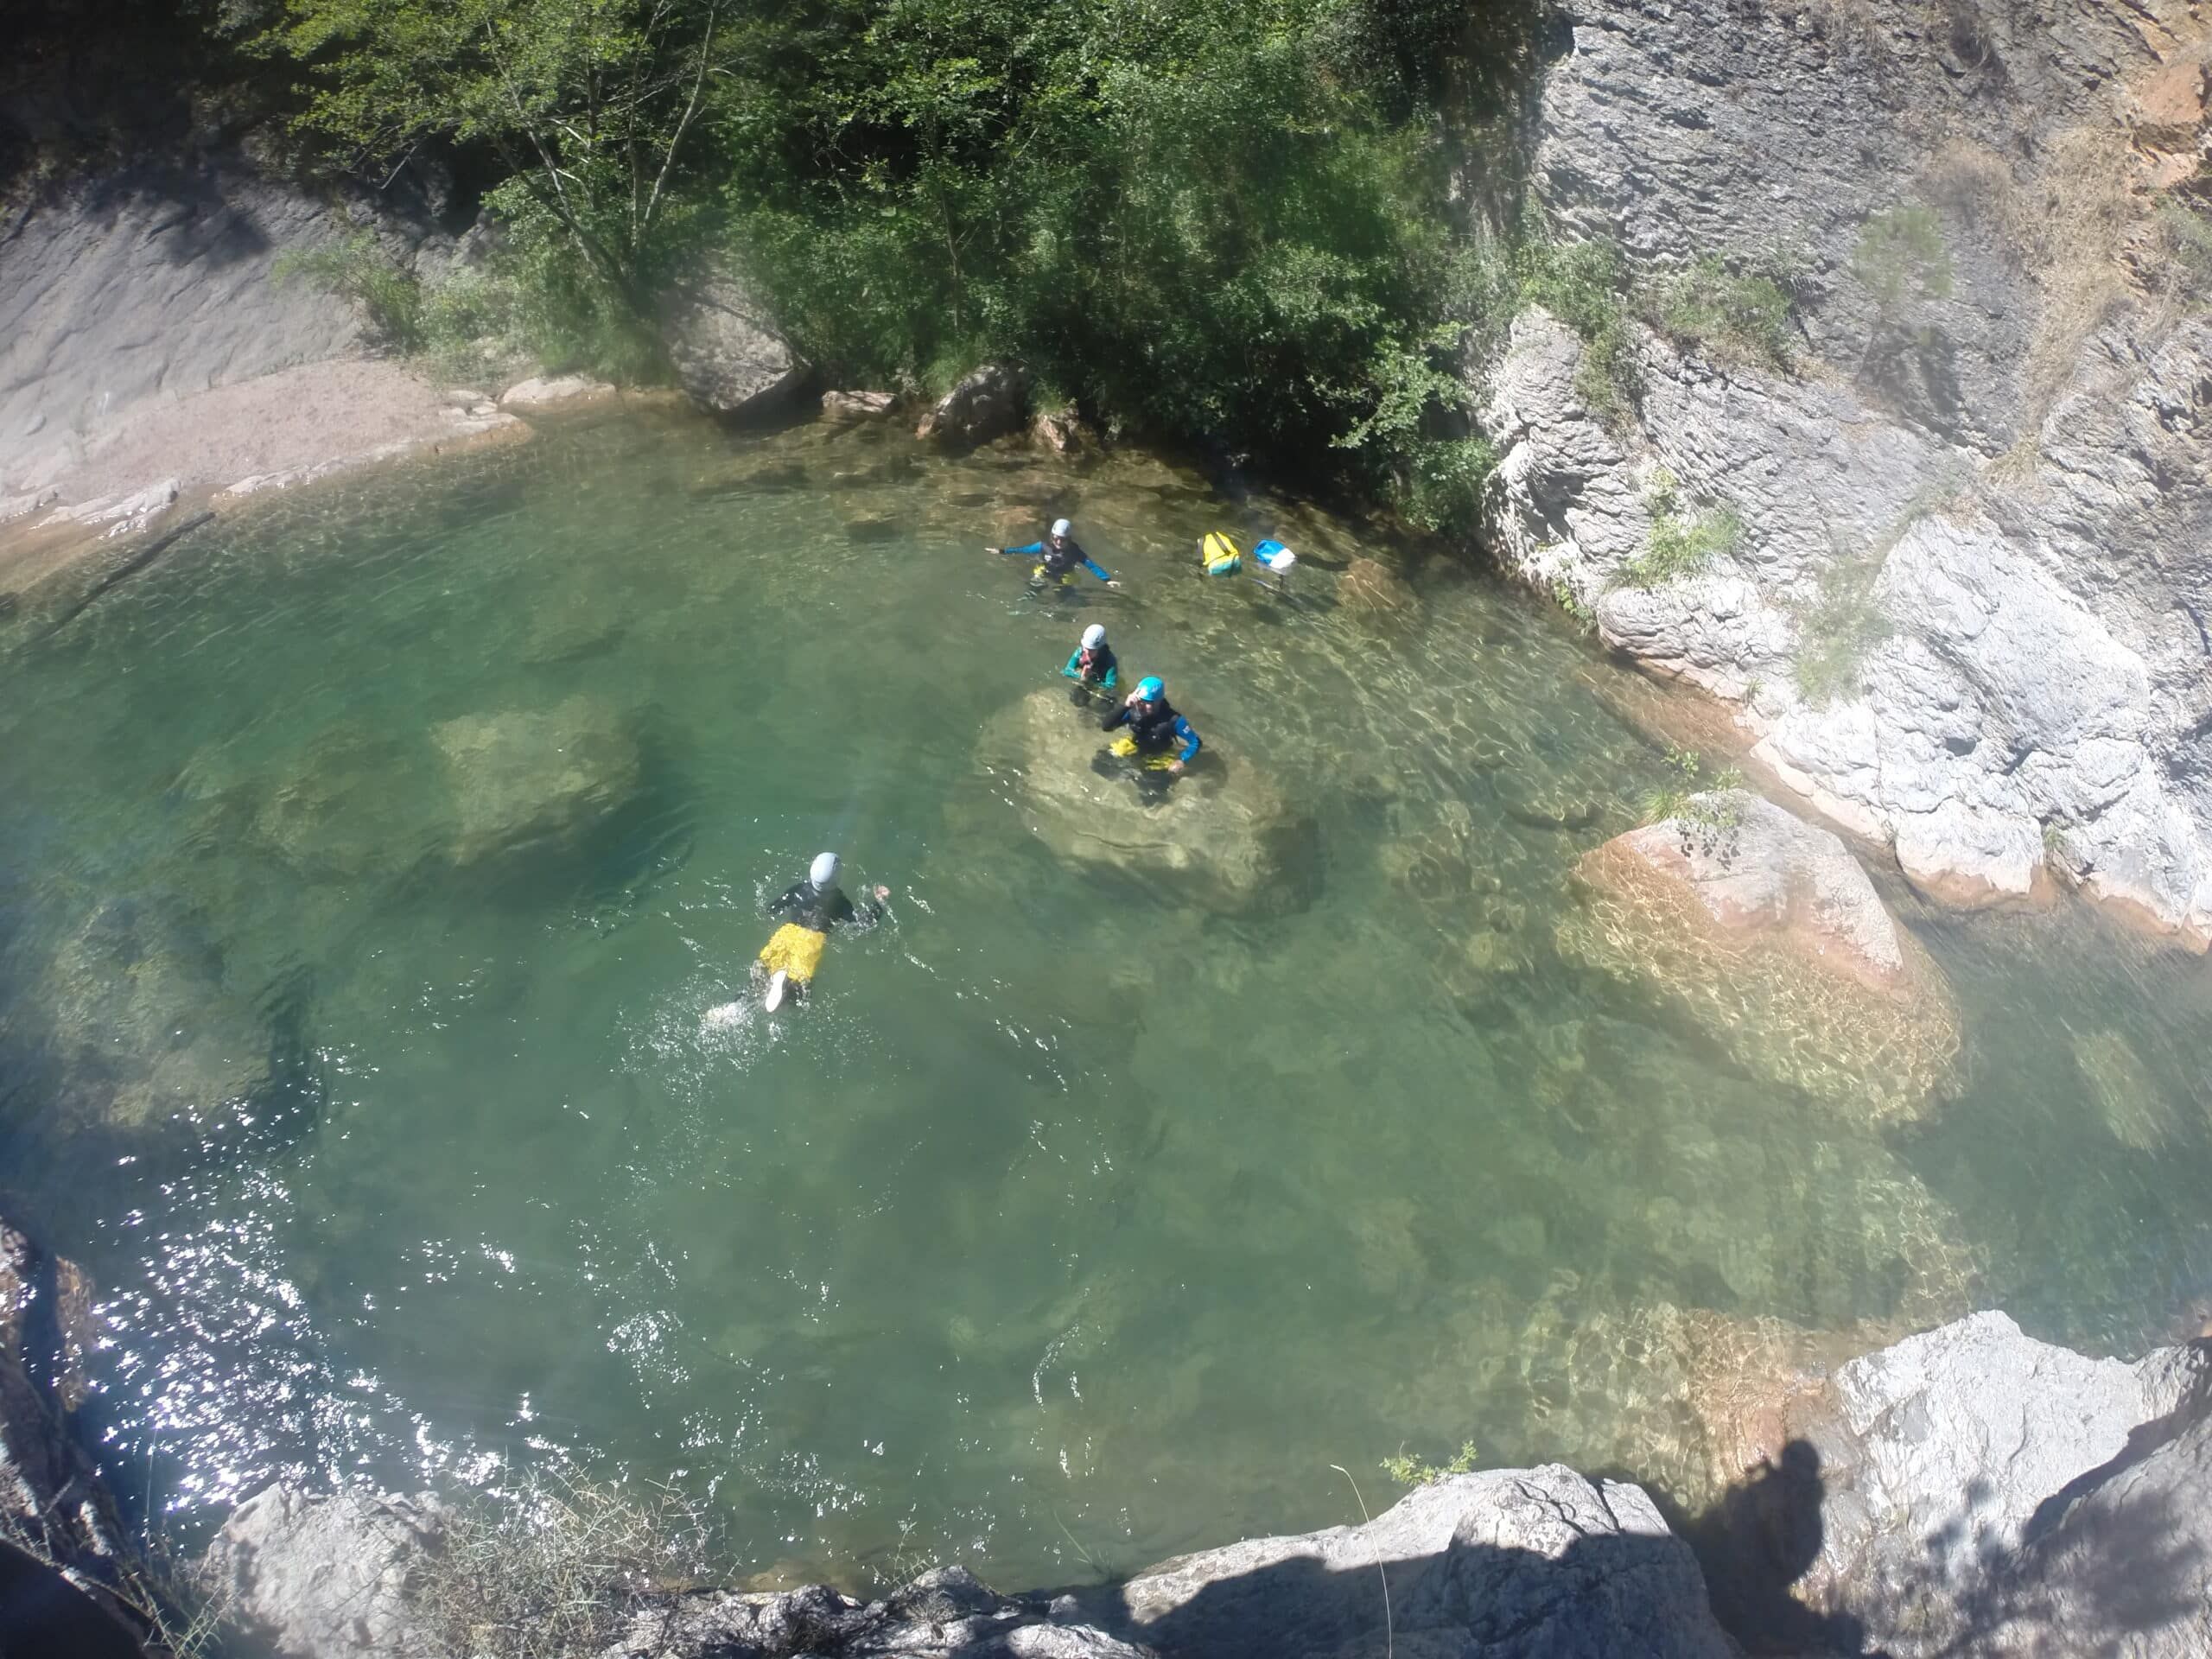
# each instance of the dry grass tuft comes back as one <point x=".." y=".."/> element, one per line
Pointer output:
<point x="553" y="1567"/>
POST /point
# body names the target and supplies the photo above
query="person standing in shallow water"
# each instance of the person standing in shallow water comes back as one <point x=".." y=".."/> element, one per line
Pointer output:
<point x="812" y="908"/>
<point x="1153" y="730"/>
<point x="1058" y="557"/>
<point x="1093" y="667"/>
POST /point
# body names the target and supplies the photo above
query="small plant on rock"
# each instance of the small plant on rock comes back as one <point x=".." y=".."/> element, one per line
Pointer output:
<point x="1901" y="255"/>
<point x="1707" y="809"/>
<point x="1413" y="1471"/>
<point x="1738" y="316"/>
<point x="1682" y="543"/>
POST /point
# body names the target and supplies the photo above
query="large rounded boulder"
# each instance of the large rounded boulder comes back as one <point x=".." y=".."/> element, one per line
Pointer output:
<point x="1221" y="836"/>
<point x="1763" y="932"/>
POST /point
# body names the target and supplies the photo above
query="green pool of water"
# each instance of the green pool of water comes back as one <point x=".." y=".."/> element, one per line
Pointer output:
<point x="412" y="832"/>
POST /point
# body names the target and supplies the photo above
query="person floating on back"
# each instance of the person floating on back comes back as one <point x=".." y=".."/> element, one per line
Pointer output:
<point x="1158" y="739"/>
<point x="814" y="905"/>
<point x="1093" y="667"/>
<point x="1058" y="557"/>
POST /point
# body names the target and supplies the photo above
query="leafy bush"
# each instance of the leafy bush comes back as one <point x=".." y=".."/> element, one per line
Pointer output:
<point x="1585" y="285"/>
<point x="1743" y="317"/>
<point x="1708" y="808"/>
<point x="357" y="271"/>
<point x="1412" y="1471"/>
<point x="1901" y="255"/>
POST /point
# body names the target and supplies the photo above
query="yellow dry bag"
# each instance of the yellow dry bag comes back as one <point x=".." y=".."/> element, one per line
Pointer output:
<point x="1220" y="554"/>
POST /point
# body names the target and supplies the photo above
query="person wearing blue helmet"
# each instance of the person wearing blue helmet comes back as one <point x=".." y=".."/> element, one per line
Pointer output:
<point x="1153" y="730"/>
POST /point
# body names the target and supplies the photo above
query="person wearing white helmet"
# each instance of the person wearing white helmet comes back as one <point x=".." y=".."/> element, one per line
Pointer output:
<point x="812" y="908"/>
<point x="1093" y="667"/>
<point x="1058" y="557"/>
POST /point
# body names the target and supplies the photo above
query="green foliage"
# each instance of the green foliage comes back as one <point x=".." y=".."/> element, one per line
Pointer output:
<point x="1682" y="543"/>
<point x="591" y="106"/>
<point x="1708" y="808"/>
<point x="357" y="271"/>
<point x="1901" y="255"/>
<point x="1738" y="316"/>
<point x="1412" y="1471"/>
<point x="1585" y="285"/>
<point x="1567" y="599"/>
<point x="2185" y="239"/>
<point x="1838" y="629"/>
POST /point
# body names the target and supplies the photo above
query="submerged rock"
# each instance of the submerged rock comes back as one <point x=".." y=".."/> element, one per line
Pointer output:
<point x="1369" y="585"/>
<point x="1223" y="837"/>
<point x="530" y="777"/>
<point x="1764" y="932"/>
<point x="140" y="1023"/>
<point x="354" y="805"/>
<point x="728" y="353"/>
<point x="1522" y="1562"/>
<point x="987" y="405"/>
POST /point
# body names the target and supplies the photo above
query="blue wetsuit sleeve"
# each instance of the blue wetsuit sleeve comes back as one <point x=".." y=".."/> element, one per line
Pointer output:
<point x="1024" y="552"/>
<point x="1112" y="677"/>
<point x="1074" y="672"/>
<point x="1191" y="744"/>
<point x="1091" y="565"/>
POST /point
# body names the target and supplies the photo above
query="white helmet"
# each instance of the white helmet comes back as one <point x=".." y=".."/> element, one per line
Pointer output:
<point x="1094" y="636"/>
<point x="823" y="870"/>
<point x="1059" y="526"/>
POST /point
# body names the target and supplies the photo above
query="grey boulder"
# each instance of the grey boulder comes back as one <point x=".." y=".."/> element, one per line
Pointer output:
<point x="989" y="403"/>
<point x="1507" y="1564"/>
<point x="1982" y="1492"/>
<point x="726" y="351"/>
<point x="945" y="1614"/>
<point x="326" y="1577"/>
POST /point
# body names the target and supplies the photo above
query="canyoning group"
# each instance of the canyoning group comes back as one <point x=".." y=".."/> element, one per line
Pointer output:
<point x="1154" y="746"/>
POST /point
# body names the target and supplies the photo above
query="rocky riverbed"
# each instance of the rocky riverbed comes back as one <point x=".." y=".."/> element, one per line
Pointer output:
<point x="1966" y="1492"/>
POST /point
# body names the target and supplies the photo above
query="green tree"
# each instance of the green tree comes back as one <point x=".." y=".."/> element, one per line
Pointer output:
<point x="591" y="106"/>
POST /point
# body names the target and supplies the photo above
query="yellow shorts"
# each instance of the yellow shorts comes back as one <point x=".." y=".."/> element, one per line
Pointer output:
<point x="1125" y="746"/>
<point x="1040" y="574"/>
<point x="794" y="950"/>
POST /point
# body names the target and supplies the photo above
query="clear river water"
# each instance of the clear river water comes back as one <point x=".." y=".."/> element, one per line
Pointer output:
<point x="375" y="863"/>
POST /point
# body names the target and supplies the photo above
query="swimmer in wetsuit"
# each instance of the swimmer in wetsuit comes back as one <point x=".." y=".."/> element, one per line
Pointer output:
<point x="813" y="907"/>
<point x="1058" y="557"/>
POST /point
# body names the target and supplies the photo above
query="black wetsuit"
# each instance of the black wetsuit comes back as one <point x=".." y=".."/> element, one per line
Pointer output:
<point x="1156" y="727"/>
<point x="822" y="908"/>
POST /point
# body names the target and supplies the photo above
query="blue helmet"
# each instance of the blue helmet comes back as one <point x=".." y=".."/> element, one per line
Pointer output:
<point x="1150" y="688"/>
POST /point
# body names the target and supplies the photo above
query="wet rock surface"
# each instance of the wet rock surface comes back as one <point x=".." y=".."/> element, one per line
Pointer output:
<point x="1221" y="836"/>
<point x="1765" y="932"/>
<point x="1955" y="616"/>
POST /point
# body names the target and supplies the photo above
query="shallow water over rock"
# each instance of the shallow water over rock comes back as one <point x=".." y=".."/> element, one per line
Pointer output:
<point x="375" y="864"/>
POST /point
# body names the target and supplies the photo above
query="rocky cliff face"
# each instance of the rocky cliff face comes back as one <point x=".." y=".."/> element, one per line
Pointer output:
<point x="1963" y="607"/>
